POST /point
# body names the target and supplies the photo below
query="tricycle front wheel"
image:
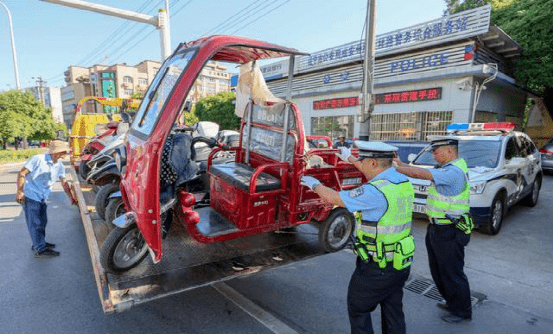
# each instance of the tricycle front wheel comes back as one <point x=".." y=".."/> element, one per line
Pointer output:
<point x="123" y="249"/>
<point x="335" y="230"/>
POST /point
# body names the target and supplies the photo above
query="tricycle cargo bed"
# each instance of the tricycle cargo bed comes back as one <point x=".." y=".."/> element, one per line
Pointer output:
<point x="189" y="264"/>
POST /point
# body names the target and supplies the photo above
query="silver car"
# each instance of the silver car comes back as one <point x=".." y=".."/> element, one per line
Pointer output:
<point x="546" y="152"/>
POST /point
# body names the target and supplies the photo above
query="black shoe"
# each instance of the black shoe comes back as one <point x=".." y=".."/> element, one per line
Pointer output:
<point x="453" y="319"/>
<point x="443" y="306"/>
<point x="48" y="246"/>
<point x="47" y="253"/>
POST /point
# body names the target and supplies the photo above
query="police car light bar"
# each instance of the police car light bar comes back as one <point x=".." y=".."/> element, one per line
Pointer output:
<point x="501" y="126"/>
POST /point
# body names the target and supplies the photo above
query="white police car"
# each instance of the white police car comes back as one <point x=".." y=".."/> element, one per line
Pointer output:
<point x="504" y="168"/>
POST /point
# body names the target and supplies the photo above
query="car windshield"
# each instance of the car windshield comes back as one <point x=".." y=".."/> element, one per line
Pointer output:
<point x="477" y="153"/>
<point x="159" y="91"/>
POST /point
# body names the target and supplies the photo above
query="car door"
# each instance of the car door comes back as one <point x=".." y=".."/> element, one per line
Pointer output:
<point x="515" y="164"/>
<point x="533" y="162"/>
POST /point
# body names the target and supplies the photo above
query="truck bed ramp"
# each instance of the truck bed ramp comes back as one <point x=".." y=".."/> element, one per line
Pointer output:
<point x="186" y="263"/>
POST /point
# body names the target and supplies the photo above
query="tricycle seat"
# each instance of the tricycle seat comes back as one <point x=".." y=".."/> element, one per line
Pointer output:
<point x="239" y="175"/>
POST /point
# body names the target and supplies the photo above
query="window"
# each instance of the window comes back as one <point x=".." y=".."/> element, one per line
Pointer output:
<point x="127" y="79"/>
<point x="512" y="150"/>
<point x="128" y="92"/>
<point x="409" y="126"/>
<point x="332" y="126"/>
<point x="211" y="79"/>
<point x="484" y="153"/>
<point x="143" y="82"/>
<point x="158" y="92"/>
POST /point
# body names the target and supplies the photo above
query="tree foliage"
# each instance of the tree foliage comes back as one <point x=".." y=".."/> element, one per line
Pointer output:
<point x="219" y="109"/>
<point x="528" y="22"/>
<point x="21" y="115"/>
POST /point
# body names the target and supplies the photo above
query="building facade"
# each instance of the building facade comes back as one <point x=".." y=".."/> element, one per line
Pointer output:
<point x="117" y="80"/>
<point x="213" y="79"/>
<point x="453" y="69"/>
<point x="123" y="81"/>
<point x="50" y="97"/>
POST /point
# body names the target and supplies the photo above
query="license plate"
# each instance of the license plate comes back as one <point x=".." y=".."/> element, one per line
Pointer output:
<point x="421" y="189"/>
<point x="419" y="208"/>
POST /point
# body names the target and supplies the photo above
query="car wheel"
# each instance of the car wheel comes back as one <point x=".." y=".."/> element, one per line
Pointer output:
<point x="532" y="199"/>
<point x="493" y="225"/>
<point x="336" y="229"/>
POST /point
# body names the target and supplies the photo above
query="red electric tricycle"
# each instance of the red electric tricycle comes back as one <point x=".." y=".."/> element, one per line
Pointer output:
<point x="258" y="191"/>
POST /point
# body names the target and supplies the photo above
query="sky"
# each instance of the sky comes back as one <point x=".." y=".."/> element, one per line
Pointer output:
<point x="50" y="37"/>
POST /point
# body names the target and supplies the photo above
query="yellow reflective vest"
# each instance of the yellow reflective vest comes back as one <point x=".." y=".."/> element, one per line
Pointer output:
<point x="438" y="205"/>
<point x="381" y="236"/>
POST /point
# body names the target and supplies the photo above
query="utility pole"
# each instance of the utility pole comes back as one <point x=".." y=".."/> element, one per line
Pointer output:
<point x="161" y="22"/>
<point x="40" y="83"/>
<point x="367" y="106"/>
<point x="13" y="47"/>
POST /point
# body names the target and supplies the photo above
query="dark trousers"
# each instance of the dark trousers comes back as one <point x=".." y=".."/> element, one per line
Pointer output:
<point x="35" y="214"/>
<point x="371" y="286"/>
<point x="446" y="257"/>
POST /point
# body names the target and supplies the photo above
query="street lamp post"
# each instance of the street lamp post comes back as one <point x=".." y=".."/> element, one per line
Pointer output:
<point x="13" y="46"/>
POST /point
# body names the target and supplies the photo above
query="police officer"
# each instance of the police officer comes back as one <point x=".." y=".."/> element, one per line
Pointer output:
<point x="448" y="195"/>
<point x="383" y="210"/>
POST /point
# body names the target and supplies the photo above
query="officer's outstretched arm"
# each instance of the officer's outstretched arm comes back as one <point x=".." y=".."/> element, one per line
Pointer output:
<point x="412" y="171"/>
<point x="329" y="195"/>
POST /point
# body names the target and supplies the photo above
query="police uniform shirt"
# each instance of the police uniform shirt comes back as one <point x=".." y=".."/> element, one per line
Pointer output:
<point x="449" y="180"/>
<point x="368" y="199"/>
<point x="43" y="173"/>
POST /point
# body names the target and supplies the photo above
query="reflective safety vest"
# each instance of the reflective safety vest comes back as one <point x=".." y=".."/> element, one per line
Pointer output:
<point x="438" y="205"/>
<point x="380" y="237"/>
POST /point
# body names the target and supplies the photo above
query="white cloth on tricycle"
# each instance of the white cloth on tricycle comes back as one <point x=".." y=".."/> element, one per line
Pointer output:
<point x="251" y="81"/>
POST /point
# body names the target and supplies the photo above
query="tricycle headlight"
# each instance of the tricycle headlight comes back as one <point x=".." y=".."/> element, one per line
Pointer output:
<point x="477" y="187"/>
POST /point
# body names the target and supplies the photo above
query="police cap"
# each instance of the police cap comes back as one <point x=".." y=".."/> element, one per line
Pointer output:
<point x="437" y="141"/>
<point x="374" y="149"/>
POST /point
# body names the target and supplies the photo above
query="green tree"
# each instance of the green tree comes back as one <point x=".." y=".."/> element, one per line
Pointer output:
<point x="528" y="22"/>
<point x="219" y="109"/>
<point x="21" y="115"/>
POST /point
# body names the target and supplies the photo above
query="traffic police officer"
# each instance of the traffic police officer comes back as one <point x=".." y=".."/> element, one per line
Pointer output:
<point x="383" y="241"/>
<point x="447" y="207"/>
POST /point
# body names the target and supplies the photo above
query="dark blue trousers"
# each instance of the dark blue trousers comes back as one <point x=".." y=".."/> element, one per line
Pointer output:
<point x="35" y="214"/>
<point x="446" y="257"/>
<point x="371" y="286"/>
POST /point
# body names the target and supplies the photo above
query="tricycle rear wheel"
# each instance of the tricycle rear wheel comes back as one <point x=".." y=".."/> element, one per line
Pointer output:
<point x="123" y="249"/>
<point x="335" y="230"/>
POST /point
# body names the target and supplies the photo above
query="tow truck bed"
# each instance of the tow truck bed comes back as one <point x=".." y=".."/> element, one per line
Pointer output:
<point x="187" y="264"/>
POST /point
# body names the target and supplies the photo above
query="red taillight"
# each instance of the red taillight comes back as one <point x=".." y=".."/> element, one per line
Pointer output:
<point x="546" y="152"/>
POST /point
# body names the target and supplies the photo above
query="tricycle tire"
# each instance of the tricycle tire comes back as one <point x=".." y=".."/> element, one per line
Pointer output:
<point x="114" y="209"/>
<point x="123" y="249"/>
<point x="83" y="170"/>
<point x="102" y="198"/>
<point x="336" y="229"/>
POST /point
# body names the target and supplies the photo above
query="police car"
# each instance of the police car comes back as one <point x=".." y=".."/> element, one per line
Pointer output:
<point x="504" y="168"/>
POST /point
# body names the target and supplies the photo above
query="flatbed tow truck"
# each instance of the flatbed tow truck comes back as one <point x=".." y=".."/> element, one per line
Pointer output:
<point x="253" y="215"/>
<point x="204" y="263"/>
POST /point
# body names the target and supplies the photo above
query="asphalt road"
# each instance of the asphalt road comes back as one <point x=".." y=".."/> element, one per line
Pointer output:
<point x="510" y="275"/>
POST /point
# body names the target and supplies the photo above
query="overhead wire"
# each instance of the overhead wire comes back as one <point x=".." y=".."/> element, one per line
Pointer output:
<point x="263" y="15"/>
<point x="223" y="24"/>
<point x="173" y="13"/>
<point x="119" y="33"/>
